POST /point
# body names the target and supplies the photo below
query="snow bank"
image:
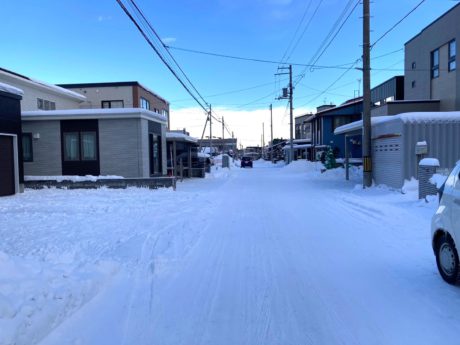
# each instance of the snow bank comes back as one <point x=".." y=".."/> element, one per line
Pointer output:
<point x="438" y="180"/>
<point x="72" y="178"/>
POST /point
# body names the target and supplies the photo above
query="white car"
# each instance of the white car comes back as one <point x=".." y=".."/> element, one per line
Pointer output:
<point x="445" y="228"/>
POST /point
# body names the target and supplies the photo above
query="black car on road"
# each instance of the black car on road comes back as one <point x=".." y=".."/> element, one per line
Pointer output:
<point x="246" y="162"/>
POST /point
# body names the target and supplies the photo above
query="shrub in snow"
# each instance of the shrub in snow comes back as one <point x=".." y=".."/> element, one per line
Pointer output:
<point x="330" y="159"/>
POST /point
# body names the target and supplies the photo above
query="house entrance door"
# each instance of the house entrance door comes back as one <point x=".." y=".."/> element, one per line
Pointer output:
<point x="154" y="154"/>
<point x="7" y="186"/>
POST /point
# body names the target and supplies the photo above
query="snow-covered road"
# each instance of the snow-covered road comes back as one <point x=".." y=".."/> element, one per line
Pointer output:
<point x="270" y="255"/>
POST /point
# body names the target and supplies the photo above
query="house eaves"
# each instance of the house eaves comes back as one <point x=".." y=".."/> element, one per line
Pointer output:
<point x="41" y="85"/>
<point x="86" y="114"/>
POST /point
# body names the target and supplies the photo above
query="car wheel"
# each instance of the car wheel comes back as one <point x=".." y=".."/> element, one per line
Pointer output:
<point x="447" y="259"/>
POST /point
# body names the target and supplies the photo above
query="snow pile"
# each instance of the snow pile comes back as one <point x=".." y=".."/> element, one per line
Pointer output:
<point x="217" y="172"/>
<point x="438" y="180"/>
<point x="72" y="178"/>
<point x="410" y="187"/>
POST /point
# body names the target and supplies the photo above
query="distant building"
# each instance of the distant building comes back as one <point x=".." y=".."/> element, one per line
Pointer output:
<point x="219" y="144"/>
<point x="302" y="127"/>
<point x="431" y="63"/>
<point x="130" y="94"/>
<point x="39" y="95"/>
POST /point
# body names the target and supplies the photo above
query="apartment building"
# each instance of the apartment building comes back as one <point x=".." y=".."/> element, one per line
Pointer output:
<point x="431" y="62"/>
<point x="129" y="94"/>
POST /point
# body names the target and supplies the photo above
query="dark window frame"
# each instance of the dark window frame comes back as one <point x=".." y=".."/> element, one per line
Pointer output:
<point x="82" y="150"/>
<point x="30" y="138"/>
<point x="66" y="158"/>
<point x="434" y="67"/>
<point x="452" y="58"/>
<point x="109" y="102"/>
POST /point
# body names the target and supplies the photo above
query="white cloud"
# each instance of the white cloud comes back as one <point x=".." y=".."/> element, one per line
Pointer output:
<point x="247" y="124"/>
<point x="169" y="40"/>
<point x="103" y="18"/>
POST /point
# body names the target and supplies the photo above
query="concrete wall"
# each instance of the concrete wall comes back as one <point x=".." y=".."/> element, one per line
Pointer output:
<point x="46" y="149"/>
<point x="32" y="92"/>
<point x="418" y="51"/>
<point x="95" y="95"/>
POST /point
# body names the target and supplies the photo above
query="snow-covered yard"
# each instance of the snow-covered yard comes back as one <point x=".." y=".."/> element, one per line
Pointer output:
<point x="270" y="255"/>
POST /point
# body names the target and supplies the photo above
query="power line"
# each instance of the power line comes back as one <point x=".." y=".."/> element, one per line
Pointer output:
<point x="149" y="41"/>
<point x="297" y="29"/>
<point x="336" y="33"/>
<point x="254" y="59"/>
<point x="169" y="53"/>
<point x="397" y="23"/>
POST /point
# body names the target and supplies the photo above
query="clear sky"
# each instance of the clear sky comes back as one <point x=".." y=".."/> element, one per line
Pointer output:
<point x="77" y="41"/>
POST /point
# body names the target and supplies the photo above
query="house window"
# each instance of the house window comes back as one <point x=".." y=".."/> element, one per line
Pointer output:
<point x="88" y="146"/>
<point x="44" y="104"/>
<point x="413" y="84"/>
<point x="435" y="63"/>
<point x="452" y="55"/>
<point x="80" y="146"/>
<point x="112" y="104"/>
<point x="27" y="153"/>
<point x="145" y="104"/>
<point x="71" y="146"/>
<point x="414" y="65"/>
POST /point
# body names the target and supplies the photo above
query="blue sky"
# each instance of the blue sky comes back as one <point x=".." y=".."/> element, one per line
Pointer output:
<point x="93" y="41"/>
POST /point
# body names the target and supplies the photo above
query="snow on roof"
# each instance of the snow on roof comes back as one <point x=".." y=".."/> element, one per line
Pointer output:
<point x="181" y="136"/>
<point x="49" y="87"/>
<point x="430" y="162"/>
<point x="420" y="117"/>
<point x="109" y="113"/>
<point x="297" y="146"/>
<point x="11" y="89"/>
<point x="59" y="89"/>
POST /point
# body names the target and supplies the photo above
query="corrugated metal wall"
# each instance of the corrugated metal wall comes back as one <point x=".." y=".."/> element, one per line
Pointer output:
<point x="443" y="139"/>
<point x="388" y="161"/>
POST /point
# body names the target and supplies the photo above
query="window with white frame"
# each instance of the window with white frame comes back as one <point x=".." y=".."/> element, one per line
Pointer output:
<point x="452" y="55"/>
<point x="44" y="104"/>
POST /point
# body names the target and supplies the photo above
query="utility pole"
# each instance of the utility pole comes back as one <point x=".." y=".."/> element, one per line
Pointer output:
<point x="263" y="139"/>
<point x="367" y="128"/>
<point x="288" y="94"/>
<point x="271" y="130"/>
<point x="291" y="115"/>
<point x="210" y="130"/>
<point x="223" y="128"/>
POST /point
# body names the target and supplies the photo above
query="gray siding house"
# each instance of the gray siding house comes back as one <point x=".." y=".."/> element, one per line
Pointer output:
<point x="431" y="62"/>
<point x="128" y="142"/>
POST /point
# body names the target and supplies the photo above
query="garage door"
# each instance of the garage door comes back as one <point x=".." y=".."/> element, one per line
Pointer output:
<point x="6" y="166"/>
<point x="388" y="161"/>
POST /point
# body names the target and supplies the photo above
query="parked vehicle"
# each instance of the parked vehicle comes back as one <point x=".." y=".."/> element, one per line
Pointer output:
<point x="445" y="228"/>
<point x="246" y="162"/>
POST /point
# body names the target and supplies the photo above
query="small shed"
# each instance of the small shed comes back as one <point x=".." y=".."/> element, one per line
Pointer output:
<point x="182" y="153"/>
<point x="11" y="170"/>
<point x="399" y="142"/>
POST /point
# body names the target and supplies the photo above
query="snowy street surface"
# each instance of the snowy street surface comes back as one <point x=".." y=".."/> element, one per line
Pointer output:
<point x="271" y="255"/>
